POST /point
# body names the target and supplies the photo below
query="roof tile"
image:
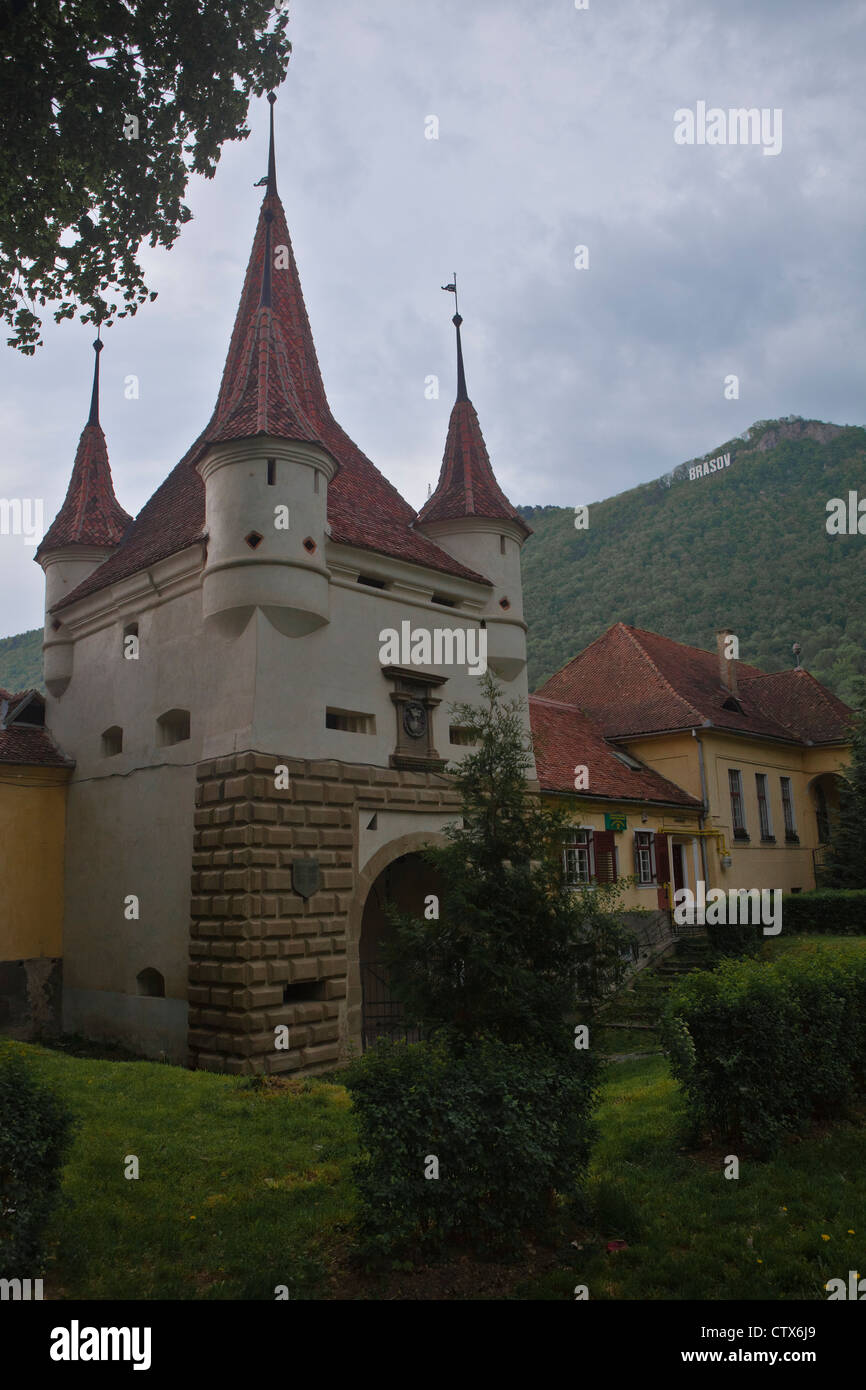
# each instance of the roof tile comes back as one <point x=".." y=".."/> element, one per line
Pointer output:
<point x="631" y="681"/>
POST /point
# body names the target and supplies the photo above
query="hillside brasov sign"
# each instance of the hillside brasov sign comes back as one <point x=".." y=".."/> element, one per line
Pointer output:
<point x="699" y="470"/>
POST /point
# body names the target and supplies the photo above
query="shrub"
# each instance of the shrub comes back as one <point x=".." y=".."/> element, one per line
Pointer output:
<point x="35" y="1134"/>
<point x="736" y="938"/>
<point x="840" y="913"/>
<point x="762" y="1049"/>
<point x="510" y="1126"/>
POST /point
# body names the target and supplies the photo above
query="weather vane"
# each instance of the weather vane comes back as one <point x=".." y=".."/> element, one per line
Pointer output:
<point x="452" y="289"/>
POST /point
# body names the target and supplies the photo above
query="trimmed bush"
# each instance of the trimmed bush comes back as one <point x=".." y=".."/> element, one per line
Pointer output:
<point x="840" y="912"/>
<point x="763" y="1049"/>
<point x="509" y="1127"/>
<point x="736" y="939"/>
<point x="35" y="1135"/>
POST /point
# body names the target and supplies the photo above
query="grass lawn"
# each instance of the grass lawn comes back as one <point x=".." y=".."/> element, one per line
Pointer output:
<point x="241" y="1190"/>
<point x="691" y="1232"/>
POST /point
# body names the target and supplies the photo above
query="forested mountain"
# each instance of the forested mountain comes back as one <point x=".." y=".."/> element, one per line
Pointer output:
<point x="21" y="661"/>
<point x="744" y="547"/>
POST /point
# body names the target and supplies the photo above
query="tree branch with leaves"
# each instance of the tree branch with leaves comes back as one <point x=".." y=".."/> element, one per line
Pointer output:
<point x="106" y="108"/>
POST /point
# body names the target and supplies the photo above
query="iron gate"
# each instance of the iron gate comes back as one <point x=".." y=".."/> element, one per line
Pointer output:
<point x="381" y="1013"/>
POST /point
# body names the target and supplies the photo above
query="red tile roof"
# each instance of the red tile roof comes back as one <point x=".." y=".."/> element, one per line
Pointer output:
<point x="91" y="514"/>
<point x="631" y="681"/>
<point x="565" y="739"/>
<point x="271" y="382"/>
<point x="27" y="745"/>
<point x="467" y="485"/>
<point x="802" y="704"/>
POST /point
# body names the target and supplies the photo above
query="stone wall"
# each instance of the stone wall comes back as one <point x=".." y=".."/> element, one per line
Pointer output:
<point x="261" y="955"/>
<point x="30" y="993"/>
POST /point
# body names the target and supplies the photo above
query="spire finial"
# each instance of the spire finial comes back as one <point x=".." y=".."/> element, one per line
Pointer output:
<point x="457" y="320"/>
<point x="272" y="163"/>
<point x="98" y="345"/>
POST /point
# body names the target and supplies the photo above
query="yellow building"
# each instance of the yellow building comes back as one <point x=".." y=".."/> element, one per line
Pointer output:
<point x="627" y="820"/>
<point x="33" y="779"/>
<point x="760" y="753"/>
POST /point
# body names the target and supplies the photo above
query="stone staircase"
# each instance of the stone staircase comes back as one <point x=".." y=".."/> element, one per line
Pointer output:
<point x="626" y="1026"/>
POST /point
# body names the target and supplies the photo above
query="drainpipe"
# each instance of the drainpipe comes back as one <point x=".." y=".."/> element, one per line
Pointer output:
<point x="706" y="809"/>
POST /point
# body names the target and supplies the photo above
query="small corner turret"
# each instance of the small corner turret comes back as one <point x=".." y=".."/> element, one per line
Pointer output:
<point x="88" y="528"/>
<point x="470" y="517"/>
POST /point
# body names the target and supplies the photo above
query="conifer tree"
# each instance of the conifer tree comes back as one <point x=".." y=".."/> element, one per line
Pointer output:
<point x="513" y="947"/>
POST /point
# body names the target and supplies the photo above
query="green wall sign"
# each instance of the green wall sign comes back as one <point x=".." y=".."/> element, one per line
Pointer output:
<point x="617" y="823"/>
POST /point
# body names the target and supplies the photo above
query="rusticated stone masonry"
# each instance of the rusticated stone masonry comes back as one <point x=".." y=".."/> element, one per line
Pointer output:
<point x="261" y="955"/>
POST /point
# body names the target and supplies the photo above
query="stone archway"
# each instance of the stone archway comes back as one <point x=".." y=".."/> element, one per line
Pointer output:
<point x="396" y="873"/>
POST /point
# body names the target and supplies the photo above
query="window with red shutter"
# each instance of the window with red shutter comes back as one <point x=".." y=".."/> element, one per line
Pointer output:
<point x="604" y="844"/>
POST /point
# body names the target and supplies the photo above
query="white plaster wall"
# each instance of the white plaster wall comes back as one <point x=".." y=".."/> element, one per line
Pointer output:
<point x="338" y="666"/>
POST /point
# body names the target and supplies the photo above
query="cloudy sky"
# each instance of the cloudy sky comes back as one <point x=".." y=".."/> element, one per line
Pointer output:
<point x="555" y="129"/>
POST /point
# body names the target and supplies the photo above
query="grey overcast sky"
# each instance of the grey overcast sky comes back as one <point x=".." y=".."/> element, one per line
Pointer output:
<point x="556" y="129"/>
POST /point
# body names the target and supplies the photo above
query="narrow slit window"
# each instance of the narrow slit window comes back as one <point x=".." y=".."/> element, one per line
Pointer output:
<point x="350" y="721"/>
<point x="272" y="472"/>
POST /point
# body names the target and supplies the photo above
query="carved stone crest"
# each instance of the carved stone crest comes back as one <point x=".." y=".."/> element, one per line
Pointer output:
<point x="306" y="877"/>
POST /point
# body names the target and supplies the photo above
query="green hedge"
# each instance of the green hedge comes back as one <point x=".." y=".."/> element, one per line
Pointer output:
<point x="763" y="1049"/>
<point x="35" y="1134"/>
<point x="839" y="912"/>
<point x="508" y="1126"/>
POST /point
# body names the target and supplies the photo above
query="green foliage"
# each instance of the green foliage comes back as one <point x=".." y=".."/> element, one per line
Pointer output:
<point x="844" y="865"/>
<point x="21" y="662"/>
<point x="509" y="1126"/>
<point x="513" y="946"/>
<point x="701" y="535"/>
<point x="35" y="1137"/>
<point x="497" y="1093"/>
<point x="836" y="913"/>
<point x="77" y="195"/>
<point x="763" y="1049"/>
<point x="735" y="939"/>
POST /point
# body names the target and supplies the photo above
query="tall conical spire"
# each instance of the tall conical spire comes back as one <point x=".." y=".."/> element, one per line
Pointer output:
<point x="467" y="484"/>
<point x="271" y="382"/>
<point x="91" y="514"/>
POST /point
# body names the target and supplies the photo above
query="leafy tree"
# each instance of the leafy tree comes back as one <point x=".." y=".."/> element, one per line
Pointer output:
<point x="106" y="107"/>
<point x="845" y="859"/>
<point x="513" y="947"/>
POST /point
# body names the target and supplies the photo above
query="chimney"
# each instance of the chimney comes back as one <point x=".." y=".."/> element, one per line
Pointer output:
<point x="727" y="665"/>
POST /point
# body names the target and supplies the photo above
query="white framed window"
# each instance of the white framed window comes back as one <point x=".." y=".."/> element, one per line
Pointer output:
<point x="788" y="809"/>
<point x="577" y="857"/>
<point x="644" y="856"/>
<point x="738" y="814"/>
<point x="763" y="806"/>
